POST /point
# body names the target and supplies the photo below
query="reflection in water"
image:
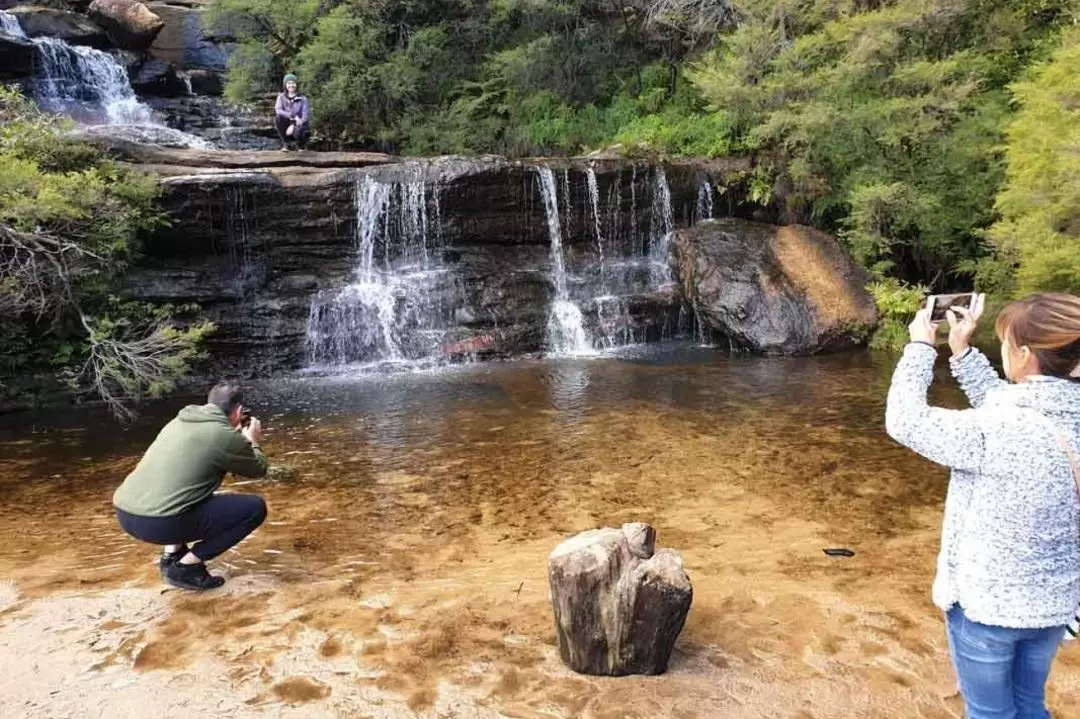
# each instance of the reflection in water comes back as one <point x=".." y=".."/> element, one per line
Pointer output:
<point x="410" y="547"/>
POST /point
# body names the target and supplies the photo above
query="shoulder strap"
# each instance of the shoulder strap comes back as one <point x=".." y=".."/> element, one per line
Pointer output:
<point x="1067" y="448"/>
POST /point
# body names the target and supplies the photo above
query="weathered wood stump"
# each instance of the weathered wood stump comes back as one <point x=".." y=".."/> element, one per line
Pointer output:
<point x="619" y="605"/>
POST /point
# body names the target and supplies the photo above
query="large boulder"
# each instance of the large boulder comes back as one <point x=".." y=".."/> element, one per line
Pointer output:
<point x="71" y="27"/>
<point x="129" y="24"/>
<point x="777" y="290"/>
<point x="18" y="56"/>
<point x="185" y="42"/>
<point x="619" y="604"/>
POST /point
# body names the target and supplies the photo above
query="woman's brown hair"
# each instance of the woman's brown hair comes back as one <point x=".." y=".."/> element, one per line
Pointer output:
<point x="1048" y="324"/>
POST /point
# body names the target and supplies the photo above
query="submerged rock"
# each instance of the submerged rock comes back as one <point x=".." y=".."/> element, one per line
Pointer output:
<point x="129" y="24"/>
<point x="785" y="290"/>
<point x="619" y="605"/>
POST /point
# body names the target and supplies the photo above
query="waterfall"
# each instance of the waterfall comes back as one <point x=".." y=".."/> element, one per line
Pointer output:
<point x="395" y="309"/>
<point x="566" y="329"/>
<point x="86" y="84"/>
<point x="703" y="210"/>
<point x="594" y="204"/>
<point x="10" y="24"/>
<point x="92" y="88"/>
<point x="661" y="225"/>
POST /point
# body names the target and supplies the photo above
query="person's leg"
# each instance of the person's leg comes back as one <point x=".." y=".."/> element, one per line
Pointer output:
<point x="1031" y="669"/>
<point x="172" y="532"/>
<point x="983" y="658"/>
<point x="281" y="124"/>
<point x="225" y="519"/>
<point x="301" y="137"/>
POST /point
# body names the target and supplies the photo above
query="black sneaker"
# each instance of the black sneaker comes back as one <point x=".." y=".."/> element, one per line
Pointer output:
<point x="168" y="558"/>
<point x="191" y="576"/>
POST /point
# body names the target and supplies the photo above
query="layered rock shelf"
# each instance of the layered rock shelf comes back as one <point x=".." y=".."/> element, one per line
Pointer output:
<point x="259" y="239"/>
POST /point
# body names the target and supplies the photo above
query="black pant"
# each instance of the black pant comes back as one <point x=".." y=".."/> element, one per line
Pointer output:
<point x="216" y="524"/>
<point x="300" y="132"/>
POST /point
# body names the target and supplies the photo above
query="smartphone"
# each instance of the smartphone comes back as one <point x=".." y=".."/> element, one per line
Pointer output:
<point x="940" y="304"/>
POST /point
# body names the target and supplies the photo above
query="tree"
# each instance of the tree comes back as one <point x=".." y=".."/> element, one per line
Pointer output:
<point x="69" y="223"/>
<point x="1039" y="230"/>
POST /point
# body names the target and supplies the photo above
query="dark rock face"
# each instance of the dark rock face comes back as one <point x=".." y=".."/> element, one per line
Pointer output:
<point x="129" y="24"/>
<point x="619" y="605"/>
<point x="205" y="82"/>
<point x="69" y="26"/>
<point x="787" y="290"/>
<point x="17" y="56"/>
<point x="268" y="243"/>
<point x="158" y="78"/>
<point x="211" y="118"/>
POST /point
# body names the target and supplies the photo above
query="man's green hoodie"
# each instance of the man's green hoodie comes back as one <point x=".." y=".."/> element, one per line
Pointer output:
<point x="186" y="463"/>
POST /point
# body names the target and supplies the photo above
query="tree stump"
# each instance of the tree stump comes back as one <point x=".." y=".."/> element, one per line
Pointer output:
<point x="619" y="605"/>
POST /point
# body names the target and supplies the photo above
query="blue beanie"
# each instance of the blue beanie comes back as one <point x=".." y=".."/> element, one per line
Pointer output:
<point x="289" y="77"/>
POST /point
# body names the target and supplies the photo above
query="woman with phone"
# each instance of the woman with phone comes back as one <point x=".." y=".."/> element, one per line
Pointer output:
<point x="1008" y="574"/>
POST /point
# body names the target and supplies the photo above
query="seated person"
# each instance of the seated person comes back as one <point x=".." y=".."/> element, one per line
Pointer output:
<point x="291" y="114"/>
<point x="169" y="498"/>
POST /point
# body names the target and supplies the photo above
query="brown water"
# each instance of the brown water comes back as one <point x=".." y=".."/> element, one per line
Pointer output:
<point x="402" y="569"/>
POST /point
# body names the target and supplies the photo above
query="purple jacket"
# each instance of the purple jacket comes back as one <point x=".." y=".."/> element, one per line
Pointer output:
<point x="290" y="108"/>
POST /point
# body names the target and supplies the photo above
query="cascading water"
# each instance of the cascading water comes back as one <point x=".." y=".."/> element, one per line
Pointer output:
<point x="661" y="225"/>
<point x="594" y="205"/>
<point x="632" y="253"/>
<point x="566" y="328"/>
<point x="400" y="305"/>
<point x="86" y="84"/>
<point x="10" y="24"/>
<point x="703" y="210"/>
<point x="92" y="88"/>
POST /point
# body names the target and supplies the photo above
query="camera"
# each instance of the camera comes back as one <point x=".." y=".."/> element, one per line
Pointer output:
<point x="245" y="417"/>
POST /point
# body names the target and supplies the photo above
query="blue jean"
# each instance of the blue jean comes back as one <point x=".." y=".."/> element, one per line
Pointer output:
<point x="1002" y="672"/>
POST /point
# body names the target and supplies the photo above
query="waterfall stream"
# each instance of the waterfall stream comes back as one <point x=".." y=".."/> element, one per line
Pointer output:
<point x="92" y="88"/>
<point x="400" y="304"/>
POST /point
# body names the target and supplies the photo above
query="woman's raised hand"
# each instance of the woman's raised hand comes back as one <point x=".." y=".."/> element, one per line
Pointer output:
<point x="963" y="322"/>
<point x="922" y="329"/>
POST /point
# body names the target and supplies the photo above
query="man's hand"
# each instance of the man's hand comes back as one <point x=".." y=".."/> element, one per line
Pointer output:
<point x="963" y="322"/>
<point x="922" y="329"/>
<point x="253" y="432"/>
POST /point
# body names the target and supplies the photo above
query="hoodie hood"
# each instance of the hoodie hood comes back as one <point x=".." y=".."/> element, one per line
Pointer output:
<point x="202" y="413"/>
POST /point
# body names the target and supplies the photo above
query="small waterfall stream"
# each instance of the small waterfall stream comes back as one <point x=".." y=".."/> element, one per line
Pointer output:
<point x="703" y="210"/>
<point x="566" y="328"/>
<point x="400" y="304"/>
<point x="629" y="258"/>
<point x="92" y="88"/>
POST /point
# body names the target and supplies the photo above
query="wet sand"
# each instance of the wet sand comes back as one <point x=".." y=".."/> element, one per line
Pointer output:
<point x="402" y="571"/>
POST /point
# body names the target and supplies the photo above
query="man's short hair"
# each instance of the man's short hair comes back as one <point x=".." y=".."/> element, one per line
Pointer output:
<point x="226" y="395"/>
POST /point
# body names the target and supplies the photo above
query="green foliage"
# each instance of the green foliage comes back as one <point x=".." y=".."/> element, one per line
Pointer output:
<point x="510" y="76"/>
<point x="1039" y="230"/>
<point x="897" y="302"/>
<point x="70" y="221"/>
<point x="882" y="121"/>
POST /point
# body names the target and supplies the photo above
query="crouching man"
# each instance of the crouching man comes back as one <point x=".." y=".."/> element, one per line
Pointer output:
<point x="169" y="498"/>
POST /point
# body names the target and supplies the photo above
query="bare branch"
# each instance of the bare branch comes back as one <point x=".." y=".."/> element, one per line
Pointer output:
<point x="122" y="370"/>
<point x="38" y="269"/>
<point x="694" y="18"/>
